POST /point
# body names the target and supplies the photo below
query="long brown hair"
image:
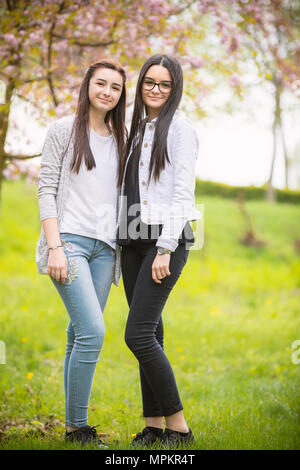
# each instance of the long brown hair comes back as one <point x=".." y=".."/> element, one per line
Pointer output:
<point x="114" y="119"/>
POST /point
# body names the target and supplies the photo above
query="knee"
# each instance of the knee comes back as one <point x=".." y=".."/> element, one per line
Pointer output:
<point x="129" y="340"/>
<point x="133" y="340"/>
<point x="93" y="338"/>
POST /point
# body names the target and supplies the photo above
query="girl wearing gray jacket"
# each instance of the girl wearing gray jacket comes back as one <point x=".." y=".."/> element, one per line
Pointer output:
<point x="78" y="197"/>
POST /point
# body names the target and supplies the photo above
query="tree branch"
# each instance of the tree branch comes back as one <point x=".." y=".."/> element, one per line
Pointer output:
<point x="20" y="157"/>
<point x="75" y="42"/>
<point x="49" y="57"/>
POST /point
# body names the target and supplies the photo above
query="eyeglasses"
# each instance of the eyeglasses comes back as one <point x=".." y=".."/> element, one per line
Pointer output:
<point x="164" y="87"/>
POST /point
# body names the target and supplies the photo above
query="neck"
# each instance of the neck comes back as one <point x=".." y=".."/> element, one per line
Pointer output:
<point x="152" y="114"/>
<point x="96" y="120"/>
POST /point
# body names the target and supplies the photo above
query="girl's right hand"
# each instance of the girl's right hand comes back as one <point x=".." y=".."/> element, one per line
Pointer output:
<point x="58" y="265"/>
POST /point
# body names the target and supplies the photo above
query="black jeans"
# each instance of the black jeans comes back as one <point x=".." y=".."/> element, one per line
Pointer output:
<point x="144" y="329"/>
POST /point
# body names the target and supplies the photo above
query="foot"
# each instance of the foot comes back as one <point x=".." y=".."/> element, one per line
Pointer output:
<point x="85" y="435"/>
<point x="172" y="438"/>
<point x="147" y="437"/>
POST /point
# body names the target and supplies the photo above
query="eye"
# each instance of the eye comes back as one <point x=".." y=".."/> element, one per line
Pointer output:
<point x="166" y="85"/>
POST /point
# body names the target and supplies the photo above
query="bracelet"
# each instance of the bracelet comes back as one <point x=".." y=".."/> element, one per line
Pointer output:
<point x="54" y="247"/>
<point x="163" y="251"/>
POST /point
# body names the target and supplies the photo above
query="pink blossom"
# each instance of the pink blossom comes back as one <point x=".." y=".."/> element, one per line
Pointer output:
<point x="197" y="62"/>
<point x="235" y="80"/>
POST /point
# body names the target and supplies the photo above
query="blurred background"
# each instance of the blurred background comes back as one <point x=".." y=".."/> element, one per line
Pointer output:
<point x="235" y="354"/>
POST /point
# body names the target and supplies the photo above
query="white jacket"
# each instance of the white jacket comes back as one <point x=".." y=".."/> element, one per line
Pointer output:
<point x="170" y="200"/>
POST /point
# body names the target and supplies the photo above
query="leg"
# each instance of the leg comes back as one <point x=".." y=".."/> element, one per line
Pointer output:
<point x="131" y="262"/>
<point x="69" y="348"/>
<point x="145" y="312"/>
<point x="80" y="299"/>
<point x="101" y="265"/>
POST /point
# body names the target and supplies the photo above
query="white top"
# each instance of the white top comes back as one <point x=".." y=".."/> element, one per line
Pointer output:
<point x="90" y="206"/>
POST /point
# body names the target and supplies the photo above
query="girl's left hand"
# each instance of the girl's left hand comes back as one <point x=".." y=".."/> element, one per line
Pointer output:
<point x="160" y="267"/>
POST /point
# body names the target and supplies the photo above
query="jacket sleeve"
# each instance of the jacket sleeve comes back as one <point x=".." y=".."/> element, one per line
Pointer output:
<point x="184" y="145"/>
<point x="50" y="169"/>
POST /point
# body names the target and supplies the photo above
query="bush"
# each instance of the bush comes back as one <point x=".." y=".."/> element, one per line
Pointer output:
<point x="249" y="192"/>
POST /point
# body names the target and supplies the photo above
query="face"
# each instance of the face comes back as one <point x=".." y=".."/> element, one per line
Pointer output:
<point x="156" y="98"/>
<point x="105" y="89"/>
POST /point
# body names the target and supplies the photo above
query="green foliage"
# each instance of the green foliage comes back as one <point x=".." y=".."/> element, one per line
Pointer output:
<point x="249" y="192"/>
<point x="229" y="328"/>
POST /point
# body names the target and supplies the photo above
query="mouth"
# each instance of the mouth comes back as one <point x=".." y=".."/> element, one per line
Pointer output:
<point x="154" y="98"/>
<point x="104" y="100"/>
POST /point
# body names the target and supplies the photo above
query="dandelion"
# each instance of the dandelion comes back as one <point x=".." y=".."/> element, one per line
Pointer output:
<point x="133" y="435"/>
<point x="29" y="375"/>
<point x="24" y="340"/>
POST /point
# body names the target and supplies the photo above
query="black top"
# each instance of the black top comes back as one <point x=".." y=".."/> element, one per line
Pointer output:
<point x="136" y="229"/>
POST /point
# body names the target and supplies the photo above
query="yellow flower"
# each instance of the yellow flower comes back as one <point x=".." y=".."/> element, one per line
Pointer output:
<point x="133" y="435"/>
<point x="24" y="340"/>
<point x="182" y="357"/>
<point x="29" y="375"/>
<point x="214" y="310"/>
<point x="178" y="349"/>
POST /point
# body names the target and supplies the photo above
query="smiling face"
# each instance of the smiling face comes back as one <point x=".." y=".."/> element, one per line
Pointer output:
<point x="105" y="89"/>
<point x="155" y="99"/>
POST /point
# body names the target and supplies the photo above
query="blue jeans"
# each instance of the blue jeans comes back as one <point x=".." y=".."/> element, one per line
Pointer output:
<point x="85" y="292"/>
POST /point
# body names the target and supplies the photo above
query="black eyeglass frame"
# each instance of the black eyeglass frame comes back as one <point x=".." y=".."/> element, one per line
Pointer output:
<point x="154" y="85"/>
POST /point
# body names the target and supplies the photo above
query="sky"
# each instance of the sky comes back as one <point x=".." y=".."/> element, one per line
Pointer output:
<point x="234" y="149"/>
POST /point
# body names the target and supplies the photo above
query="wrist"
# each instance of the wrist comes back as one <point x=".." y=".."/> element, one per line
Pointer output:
<point x="54" y="247"/>
<point x="163" y="251"/>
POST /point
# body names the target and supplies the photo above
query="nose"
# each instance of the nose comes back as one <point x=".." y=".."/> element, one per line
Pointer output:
<point x="154" y="89"/>
<point x="107" y="91"/>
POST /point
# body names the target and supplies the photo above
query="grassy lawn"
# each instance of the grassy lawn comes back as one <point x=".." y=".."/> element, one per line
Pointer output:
<point x="229" y="328"/>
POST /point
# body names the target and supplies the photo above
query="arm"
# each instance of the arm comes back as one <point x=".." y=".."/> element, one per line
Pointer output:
<point x="184" y="147"/>
<point x="49" y="179"/>
<point x="57" y="261"/>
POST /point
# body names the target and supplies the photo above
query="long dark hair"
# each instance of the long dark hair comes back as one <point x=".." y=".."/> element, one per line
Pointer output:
<point x="159" y="153"/>
<point x="114" y="119"/>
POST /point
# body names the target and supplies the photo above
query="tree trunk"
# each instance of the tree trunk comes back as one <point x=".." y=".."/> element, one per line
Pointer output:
<point x="285" y="154"/>
<point x="271" y="194"/>
<point x="4" y="120"/>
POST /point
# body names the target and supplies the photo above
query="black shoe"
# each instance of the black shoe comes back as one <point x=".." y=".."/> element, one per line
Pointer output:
<point x="172" y="438"/>
<point x="147" y="437"/>
<point x="85" y="435"/>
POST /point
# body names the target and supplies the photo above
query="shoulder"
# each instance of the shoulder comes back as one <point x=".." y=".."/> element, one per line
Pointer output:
<point x="181" y="126"/>
<point x="181" y="122"/>
<point x="62" y="126"/>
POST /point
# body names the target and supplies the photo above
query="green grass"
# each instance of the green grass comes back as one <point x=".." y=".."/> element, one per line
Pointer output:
<point x="229" y="328"/>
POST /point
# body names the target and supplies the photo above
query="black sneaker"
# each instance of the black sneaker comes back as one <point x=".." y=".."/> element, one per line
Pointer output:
<point x="85" y="435"/>
<point x="172" y="438"/>
<point x="147" y="437"/>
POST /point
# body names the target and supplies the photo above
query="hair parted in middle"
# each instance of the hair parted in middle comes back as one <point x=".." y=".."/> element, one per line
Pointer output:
<point x="114" y="119"/>
<point x="159" y="153"/>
